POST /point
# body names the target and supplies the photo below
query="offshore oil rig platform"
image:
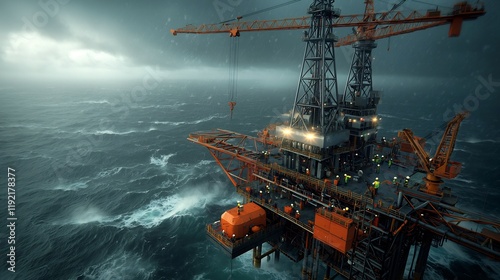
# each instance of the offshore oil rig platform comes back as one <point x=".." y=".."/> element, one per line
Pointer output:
<point x="321" y="189"/>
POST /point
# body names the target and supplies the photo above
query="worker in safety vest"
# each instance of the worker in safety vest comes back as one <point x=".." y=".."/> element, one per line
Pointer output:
<point x="297" y="215"/>
<point x="336" y="181"/>
<point x="376" y="185"/>
<point x="395" y="180"/>
<point x="407" y="181"/>
<point x="389" y="163"/>
<point x="346" y="178"/>
<point x="372" y="190"/>
<point x="378" y="168"/>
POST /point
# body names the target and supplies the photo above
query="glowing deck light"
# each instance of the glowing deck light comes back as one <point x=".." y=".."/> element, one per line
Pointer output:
<point x="287" y="131"/>
<point x="310" y="136"/>
<point x="374" y="119"/>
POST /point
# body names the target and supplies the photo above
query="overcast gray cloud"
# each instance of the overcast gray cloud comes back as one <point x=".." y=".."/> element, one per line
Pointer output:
<point x="117" y="39"/>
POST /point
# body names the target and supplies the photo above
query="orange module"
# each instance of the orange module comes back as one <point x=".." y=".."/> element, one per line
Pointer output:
<point x="250" y="215"/>
<point x="334" y="230"/>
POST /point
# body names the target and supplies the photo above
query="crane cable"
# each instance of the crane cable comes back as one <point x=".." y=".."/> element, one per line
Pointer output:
<point x="234" y="45"/>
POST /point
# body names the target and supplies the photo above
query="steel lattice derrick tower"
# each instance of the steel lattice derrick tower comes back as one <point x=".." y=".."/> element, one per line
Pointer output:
<point x="359" y="104"/>
<point x="359" y="87"/>
<point x="316" y="107"/>
<point x="358" y="90"/>
<point x="316" y="127"/>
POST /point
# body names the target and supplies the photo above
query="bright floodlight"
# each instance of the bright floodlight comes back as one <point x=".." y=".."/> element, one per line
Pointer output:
<point x="374" y="119"/>
<point x="287" y="131"/>
<point x="310" y="136"/>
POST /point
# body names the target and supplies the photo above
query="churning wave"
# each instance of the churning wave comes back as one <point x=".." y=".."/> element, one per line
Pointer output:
<point x="216" y="116"/>
<point x="393" y="117"/>
<point x="121" y="265"/>
<point x="189" y="201"/>
<point x="162" y="160"/>
<point x="476" y="141"/>
<point x="71" y="186"/>
<point x="94" y="102"/>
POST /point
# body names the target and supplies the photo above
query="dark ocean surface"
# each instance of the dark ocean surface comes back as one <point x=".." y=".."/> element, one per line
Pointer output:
<point x="108" y="187"/>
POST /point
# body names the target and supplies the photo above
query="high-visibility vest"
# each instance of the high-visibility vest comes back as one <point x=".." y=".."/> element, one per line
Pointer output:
<point x="376" y="184"/>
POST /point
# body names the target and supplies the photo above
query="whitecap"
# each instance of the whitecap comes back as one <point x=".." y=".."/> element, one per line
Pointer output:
<point x="158" y="210"/>
<point x="393" y="117"/>
<point x="162" y="161"/>
<point x="162" y="106"/>
<point x="217" y="116"/>
<point x="204" y="162"/>
<point x="473" y="140"/>
<point x="104" y="101"/>
<point x="425" y="119"/>
<point x="461" y="179"/>
<point x="121" y="265"/>
<point x="71" y="187"/>
<point x="110" y="132"/>
<point x="461" y="150"/>
<point x="86" y="214"/>
<point x="109" y="172"/>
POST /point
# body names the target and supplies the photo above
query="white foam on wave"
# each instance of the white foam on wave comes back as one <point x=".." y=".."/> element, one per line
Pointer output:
<point x="209" y="118"/>
<point x="163" y="106"/>
<point x="461" y="150"/>
<point x="71" y="186"/>
<point x="86" y="214"/>
<point x="158" y="210"/>
<point x="474" y="140"/>
<point x="110" y="172"/>
<point x="111" y="132"/>
<point x="121" y="265"/>
<point x="104" y="101"/>
<point x="161" y="161"/>
<point x="462" y="179"/>
<point x="393" y="117"/>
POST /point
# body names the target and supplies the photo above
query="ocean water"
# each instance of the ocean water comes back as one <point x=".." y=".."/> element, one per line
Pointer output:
<point x="108" y="187"/>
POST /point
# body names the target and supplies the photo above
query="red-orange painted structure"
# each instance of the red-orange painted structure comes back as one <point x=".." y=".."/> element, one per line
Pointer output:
<point x="240" y="220"/>
<point x="334" y="229"/>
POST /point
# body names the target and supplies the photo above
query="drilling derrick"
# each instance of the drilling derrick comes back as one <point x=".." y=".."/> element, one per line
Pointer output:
<point x="315" y="128"/>
<point x="315" y="108"/>
<point x="360" y="100"/>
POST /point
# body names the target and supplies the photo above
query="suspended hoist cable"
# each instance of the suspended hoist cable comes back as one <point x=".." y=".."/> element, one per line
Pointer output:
<point x="234" y="44"/>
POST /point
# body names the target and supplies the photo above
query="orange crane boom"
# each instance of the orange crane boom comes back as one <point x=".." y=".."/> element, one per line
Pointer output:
<point x="440" y="166"/>
<point x="397" y="21"/>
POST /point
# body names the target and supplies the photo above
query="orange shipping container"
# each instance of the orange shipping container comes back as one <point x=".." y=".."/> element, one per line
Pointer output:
<point x="251" y="215"/>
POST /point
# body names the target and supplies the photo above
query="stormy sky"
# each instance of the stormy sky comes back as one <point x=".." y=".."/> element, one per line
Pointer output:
<point x="65" y="40"/>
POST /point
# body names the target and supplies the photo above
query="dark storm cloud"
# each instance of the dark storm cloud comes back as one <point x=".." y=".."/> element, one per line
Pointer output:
<point x="138" y="32"/>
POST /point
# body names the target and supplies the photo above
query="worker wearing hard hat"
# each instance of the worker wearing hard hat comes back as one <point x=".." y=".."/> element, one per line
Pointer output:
<point x="336" y="180"/>
<point x="346" y="178"/>
<point x="376" y="185"/>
